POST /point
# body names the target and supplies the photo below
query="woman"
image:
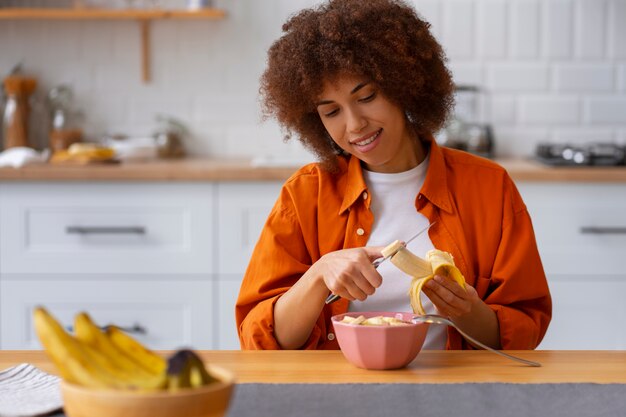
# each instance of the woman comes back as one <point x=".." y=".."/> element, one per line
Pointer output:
<point x="364" y="86"/>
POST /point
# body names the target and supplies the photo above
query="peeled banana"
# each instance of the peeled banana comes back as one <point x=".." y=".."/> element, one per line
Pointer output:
<point x="95" y="359"/>
<point x="437" y="262"/>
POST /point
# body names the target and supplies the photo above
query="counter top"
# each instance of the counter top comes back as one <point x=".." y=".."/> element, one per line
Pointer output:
<point x="430" y="367"/>
<point x="198" y="169"/>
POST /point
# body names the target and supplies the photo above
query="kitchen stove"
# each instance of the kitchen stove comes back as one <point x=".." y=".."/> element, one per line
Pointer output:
<point x="592" y="154"/>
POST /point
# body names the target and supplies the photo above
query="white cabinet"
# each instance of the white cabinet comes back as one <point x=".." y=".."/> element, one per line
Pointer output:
<point x="167" y="258"/>
<point x="242" y="211"/>
<point x="581" y="235"/>
<point x="106" y="228"/>
<point x="131" y="254"/>
<point x="165" y="314"/>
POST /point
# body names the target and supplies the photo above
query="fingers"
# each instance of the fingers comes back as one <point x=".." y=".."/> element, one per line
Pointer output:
<point x="449" y="297"/>
<point x="373" y="252"/>
<point x="350" y="274"/>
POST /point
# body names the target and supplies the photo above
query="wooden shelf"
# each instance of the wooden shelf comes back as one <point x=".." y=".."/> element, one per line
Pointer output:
<point x="109" y="14"/>
<point x="143" y="16"/>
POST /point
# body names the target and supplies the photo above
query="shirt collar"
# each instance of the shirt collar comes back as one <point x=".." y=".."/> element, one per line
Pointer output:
<point x="435" y="187"/>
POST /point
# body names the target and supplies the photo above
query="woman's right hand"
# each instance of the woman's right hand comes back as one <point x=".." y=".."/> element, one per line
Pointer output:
<point x="349" y="273"/>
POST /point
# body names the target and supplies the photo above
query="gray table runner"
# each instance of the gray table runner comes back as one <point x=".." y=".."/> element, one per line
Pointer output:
<point x="428" y="400"/>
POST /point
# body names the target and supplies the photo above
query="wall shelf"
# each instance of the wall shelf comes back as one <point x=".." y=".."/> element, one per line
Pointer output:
<point x="144" y="17"/>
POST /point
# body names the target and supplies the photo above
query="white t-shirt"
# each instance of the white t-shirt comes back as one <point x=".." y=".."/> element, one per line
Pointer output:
<point x="396" y="218"/>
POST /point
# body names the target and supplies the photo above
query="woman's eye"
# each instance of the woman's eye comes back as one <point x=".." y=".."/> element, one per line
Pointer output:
<point x="368" y="98"/>
<point x="331" y="113"/>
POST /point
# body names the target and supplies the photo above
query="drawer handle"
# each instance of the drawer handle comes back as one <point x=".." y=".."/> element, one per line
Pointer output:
<point x="134" y="329"/>
<point x="599" y="230"/>
<point x="106" y="230"/>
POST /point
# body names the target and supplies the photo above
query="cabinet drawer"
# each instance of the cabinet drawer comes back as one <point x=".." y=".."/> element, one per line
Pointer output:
<point x="106" y="228"/>
<point x="172" y="314"/>
<point x="242" y="209"/>
<point x="580" y="228"/>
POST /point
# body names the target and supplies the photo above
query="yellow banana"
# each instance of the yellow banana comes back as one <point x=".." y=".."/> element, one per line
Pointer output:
<point x="149" y="360"/>
<point x="179" y="371"/>
<point x="93" y="360"/>
<point x="75" y="363"/>
<point x="437" y="262"/>
<point x="115" y="360"/>
<point x="185" y="369"/>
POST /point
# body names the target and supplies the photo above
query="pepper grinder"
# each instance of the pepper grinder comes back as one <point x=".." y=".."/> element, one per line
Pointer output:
<point x="16" y="110"/>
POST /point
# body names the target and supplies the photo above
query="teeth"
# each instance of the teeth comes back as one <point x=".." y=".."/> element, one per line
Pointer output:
<point x="368" y="141"/>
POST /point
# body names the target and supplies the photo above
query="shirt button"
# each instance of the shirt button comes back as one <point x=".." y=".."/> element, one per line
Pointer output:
<point x="360" y="231"/>
<point x="331" y="336"/>
<point x="365" y="195"/>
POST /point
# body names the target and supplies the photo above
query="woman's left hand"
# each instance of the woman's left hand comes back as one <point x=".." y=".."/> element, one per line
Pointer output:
<point x="450" y="299"/>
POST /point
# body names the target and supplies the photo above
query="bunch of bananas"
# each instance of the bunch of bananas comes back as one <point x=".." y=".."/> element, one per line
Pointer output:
<point x="437" y="262"/>
<point x="112" y="359"/>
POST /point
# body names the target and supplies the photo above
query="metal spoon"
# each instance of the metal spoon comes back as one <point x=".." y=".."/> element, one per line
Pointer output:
<point x="436" y="319"/>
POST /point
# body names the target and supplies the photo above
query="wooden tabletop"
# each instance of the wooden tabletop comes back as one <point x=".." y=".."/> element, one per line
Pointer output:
<point x="195" y="169"/>
<point x="429" y="367"/>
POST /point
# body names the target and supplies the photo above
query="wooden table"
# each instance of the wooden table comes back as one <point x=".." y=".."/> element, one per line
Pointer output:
<point x="436" y="384"/>
<point x="430" y="367"/>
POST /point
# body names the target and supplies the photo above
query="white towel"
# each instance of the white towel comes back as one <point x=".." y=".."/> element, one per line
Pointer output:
<point x="28" y="391"/>
<point x="19" y="156"/>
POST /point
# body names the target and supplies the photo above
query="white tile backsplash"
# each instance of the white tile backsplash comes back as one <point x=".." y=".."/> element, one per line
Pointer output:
<point x="557" y="28"/>
<point x="525" y="28"/>
<point x="458" y="28"/>
<point x="548" y="110"/>
<point x="606" y="110"/>
<point x="617" y="29"/>
<point x="492" y="29"/>
<point x="590" y="21"/>
<point x="519" y="77"/>
<point x="551" y="69"/>
<point x="584" y="77"/>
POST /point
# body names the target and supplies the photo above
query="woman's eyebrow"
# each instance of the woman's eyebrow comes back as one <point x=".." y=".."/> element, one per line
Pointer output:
<point x="358" y="87"/>
<point x="354" y="90"/>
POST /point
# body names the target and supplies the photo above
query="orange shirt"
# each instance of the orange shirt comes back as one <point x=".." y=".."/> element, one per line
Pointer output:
<point x="481" y="220"/>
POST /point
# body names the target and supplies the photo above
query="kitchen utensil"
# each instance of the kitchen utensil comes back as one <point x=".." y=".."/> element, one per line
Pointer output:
<point x="465" y="130"/>
<point x="379" y="347"/>
<point x="333" y="297"/>
<point x="436" y="319"/>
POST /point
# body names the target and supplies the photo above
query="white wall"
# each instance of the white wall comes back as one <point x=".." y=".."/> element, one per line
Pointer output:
<point x="554" y="69"/>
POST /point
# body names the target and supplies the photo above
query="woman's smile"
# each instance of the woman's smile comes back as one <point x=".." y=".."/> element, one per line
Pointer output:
<point x="368" y="142"/>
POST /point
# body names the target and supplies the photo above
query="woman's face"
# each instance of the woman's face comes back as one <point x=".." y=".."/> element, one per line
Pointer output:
<point x="367" y="125"/>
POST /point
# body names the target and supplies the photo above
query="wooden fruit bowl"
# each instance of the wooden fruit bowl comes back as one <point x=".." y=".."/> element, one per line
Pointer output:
<point x="209" y="401"/>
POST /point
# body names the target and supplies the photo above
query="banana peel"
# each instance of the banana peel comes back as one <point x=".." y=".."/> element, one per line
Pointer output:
<point x="437" y="262"/>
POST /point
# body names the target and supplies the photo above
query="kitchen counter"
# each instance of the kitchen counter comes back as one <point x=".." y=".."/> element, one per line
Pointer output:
<point x="436" y="383"/>
<point x="197" y="169"/>
<point x="430" y="367"/>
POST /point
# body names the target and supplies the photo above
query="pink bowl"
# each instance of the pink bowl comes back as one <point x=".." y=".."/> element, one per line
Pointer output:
<point x="379" y="347"/>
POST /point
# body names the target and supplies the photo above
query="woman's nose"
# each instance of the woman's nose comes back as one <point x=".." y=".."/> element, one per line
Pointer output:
<point x="356" y="121"/>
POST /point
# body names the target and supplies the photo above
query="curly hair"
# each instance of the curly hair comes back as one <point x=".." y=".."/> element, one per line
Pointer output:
<point x="384" y="41"/>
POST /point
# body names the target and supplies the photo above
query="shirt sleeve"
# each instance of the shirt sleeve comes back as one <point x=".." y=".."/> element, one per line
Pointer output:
<point x="518" y="292"/>
<point x="279" y="259"/>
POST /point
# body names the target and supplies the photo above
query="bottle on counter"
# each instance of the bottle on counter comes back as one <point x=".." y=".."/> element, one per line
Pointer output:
<point x="18" y="90"/>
